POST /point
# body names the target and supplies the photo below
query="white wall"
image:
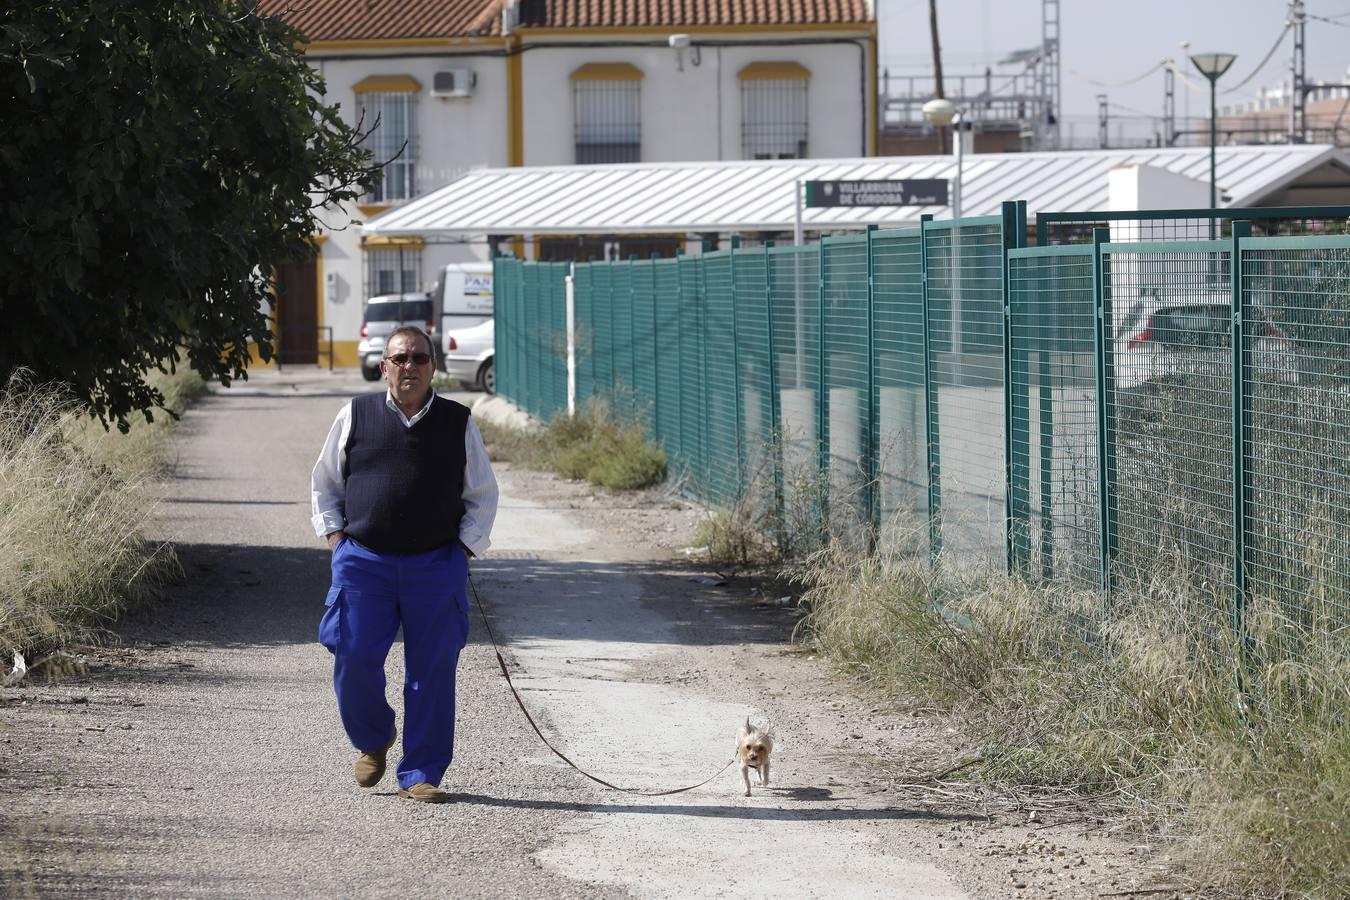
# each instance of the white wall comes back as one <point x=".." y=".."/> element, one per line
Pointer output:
<point x="453" y="135"/>
<point x="680" y="109"/>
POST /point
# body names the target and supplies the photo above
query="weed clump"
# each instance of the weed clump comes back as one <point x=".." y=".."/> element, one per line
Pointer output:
<point x="1145" y="705"/>
<point x="591" y="446"/>
<point x="73" y="500"/>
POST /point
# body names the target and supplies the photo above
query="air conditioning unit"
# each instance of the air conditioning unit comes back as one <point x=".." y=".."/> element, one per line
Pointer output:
<point x="453" y="83"/>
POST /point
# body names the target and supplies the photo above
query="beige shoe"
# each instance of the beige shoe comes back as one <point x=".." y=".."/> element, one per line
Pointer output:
<point x="423" y="792"/>
<point x="369" y="767"/>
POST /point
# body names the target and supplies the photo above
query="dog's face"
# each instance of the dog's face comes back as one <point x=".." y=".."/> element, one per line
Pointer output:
<point x="753" y="745"/>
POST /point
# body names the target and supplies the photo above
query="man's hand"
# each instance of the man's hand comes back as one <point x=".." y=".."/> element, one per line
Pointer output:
<point x="334" y="538"/>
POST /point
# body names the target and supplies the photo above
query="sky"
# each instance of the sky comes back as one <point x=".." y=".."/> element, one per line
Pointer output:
<point x="1112" y="42"/>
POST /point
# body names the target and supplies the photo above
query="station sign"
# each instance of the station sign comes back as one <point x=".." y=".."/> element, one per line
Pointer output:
<point x="893" y="192"/>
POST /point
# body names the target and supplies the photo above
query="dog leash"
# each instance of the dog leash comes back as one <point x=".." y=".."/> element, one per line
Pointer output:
<point x="529" y="718"/>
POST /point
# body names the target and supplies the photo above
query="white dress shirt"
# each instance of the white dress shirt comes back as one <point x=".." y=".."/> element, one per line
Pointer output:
<point x="328" y="492"/>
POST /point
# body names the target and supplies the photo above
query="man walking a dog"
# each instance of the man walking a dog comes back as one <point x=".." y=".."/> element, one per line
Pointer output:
<point x="404" y="494"/>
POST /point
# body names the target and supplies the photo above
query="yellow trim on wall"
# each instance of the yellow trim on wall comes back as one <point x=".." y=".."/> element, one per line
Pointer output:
<point x="873" y="100"/>
<point x="515" y="107"/>
<point x="372" y="209"/>
<point x="318" y="292"/>
<point x="387" y="84"/>
<point x="757" y="71"/>
<point x="344" y="355"/>
<point x="620" y="71"/>
<point x="380" y="242"/>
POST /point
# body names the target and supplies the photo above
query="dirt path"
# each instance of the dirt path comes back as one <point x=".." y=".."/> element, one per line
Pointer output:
<point x="202" y="756"/>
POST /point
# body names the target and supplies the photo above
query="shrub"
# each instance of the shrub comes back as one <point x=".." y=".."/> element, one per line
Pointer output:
<point x="589" y="446"/>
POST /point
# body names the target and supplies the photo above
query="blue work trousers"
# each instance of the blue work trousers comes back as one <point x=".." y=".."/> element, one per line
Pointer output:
<point x="372" y="595"/>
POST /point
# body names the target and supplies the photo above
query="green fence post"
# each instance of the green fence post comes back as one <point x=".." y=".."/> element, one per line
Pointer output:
<point x="871" y="465"/>
<point x="632" y="337"/>
<point x="613" y="373"/>
<point x="1045" y="447"/>
<point x="930" y="408"/>
<point x="1242" y="446"/>
<point x="655" y="425"/>
<point x="736" y="367"/>
<point x="775" y="402"/>
<point x="706" y="463"/>
<point x="679" y="355"/>
<point x="1016" y="406"/>
<point x="1102" y="340"/>
<point x="822" y="449"/>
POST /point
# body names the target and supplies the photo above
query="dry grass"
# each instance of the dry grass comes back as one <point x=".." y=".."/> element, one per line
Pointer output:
<point x="73" y="500"/>
<point x="1134" y="708"/>
<point x="590" y="446"/>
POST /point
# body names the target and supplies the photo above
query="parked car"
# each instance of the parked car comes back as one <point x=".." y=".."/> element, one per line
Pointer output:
<point x="385" y="313"/>
<point x="1159" y="338"/>
<point x="468" y="357"/>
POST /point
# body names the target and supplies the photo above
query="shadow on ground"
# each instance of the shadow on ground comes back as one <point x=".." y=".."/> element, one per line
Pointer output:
<point x="246" y="596"/>
<point x="805" y="814"/>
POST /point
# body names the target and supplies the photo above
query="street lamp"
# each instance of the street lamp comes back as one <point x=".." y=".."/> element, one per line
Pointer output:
<point x="1212" y="66"/>
<point x="942" y="112"/>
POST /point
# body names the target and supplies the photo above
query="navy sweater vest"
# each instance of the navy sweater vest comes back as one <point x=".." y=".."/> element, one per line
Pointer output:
<point x="405" y="485"/>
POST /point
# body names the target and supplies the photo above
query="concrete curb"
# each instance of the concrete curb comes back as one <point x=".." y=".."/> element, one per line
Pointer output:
<point x="500" y="411"/>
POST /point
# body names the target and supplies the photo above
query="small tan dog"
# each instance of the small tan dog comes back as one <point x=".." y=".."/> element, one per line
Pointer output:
<point x="753" y="746"/>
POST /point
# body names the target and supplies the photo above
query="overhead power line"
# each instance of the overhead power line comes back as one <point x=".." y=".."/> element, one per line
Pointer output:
<point x="1262" y="64"/>
<point x="1186" y="79"/>
<point x="1116" y="84"/>
<point x="1329" y="21"/>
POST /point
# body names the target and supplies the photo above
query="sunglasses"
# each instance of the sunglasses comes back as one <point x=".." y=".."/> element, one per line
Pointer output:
<point x="402" y="359"/>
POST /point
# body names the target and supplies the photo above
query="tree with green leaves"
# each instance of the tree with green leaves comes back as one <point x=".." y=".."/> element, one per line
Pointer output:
<point x="158" y="159"/>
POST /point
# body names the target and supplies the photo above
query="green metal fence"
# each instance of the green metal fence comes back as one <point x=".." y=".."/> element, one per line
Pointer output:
<point x="1117" y="413"/>
<point x="1059" y="228"/>
<point x="853" y="386"/>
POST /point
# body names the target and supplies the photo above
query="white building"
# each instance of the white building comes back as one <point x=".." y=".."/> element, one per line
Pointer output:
<point x="459" y="85"/>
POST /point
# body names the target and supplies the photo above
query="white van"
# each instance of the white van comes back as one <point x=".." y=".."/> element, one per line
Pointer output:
<point x="463" y="294"/>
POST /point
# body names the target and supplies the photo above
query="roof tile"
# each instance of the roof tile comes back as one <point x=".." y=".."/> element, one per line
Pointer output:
<point x="337" y="20"/>
<point x="348" y="20"/>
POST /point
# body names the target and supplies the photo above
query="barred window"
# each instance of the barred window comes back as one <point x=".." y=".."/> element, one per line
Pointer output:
<point x="773" y="118"/>
<point x="384" y="275"/>
<point x="395" y="136"/>
<point x="608" y="125"/>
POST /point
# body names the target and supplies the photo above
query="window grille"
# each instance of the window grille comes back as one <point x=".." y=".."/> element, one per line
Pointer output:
<point x="383" y="273"/>
<point x="773" y="124"/>
<point x="608" y="125"/>
<point x="396" y="115"/>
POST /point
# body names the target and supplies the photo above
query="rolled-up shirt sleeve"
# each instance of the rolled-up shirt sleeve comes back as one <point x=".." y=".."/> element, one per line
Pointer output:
<point x="480" y="493"/>
<point x="328" y="488"/>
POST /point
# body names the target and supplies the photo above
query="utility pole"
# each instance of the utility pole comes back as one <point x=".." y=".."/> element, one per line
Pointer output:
<point x="939" y="92"/>
<point x="1298" y="68"/>
<point x="1047" y="74"/>
<point x="1103" y="123"/>
<point x="1169" y="122"/>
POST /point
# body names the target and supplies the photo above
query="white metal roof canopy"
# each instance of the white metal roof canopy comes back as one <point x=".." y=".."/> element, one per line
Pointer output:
<point x="687" y="198"/>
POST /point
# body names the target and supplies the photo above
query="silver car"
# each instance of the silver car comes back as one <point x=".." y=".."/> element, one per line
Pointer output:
<point x="385" y="313"/>
<point x="1158" y="338"/>
<point x="468" y="356"/>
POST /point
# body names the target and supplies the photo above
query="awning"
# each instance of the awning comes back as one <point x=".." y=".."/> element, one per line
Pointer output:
<point x="744" y="196"/>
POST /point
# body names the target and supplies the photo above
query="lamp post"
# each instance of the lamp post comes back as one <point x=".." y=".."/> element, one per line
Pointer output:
<point x="1212" y="66"/>
<point x="942" y="112"/>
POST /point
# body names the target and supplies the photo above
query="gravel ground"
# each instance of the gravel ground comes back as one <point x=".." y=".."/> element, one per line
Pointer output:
<point x="199" y="754"/>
